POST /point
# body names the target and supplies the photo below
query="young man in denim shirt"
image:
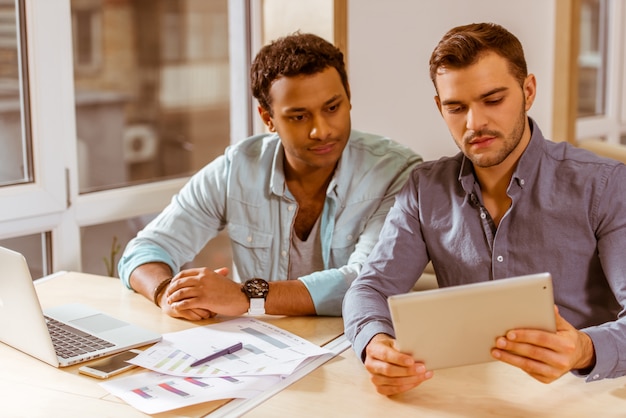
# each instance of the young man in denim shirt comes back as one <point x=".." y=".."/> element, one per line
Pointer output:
<point x="303" y="205"/>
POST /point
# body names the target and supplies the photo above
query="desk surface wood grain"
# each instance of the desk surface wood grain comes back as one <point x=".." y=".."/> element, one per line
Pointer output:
<point x="341" y="388"/>
<point x="31" y="388"/>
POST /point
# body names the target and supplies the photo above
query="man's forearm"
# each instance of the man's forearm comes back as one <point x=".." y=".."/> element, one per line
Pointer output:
<point x="146" y="278"/>
<point x="289" y="297"/>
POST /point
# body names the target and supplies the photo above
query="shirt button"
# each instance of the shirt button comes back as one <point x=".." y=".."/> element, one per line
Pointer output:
<point x="290" y="208"/>
<point x="483" y="215"/>
<point x="500" y="258"/>
<point x="249" y="239"/>
<point x="596" y="377"/>
<point x="349" y="237"/>
<point x="283" y="253"/>
<point x="522" y="182"/>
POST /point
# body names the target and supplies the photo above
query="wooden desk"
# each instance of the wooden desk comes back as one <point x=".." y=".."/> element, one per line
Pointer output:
<point x="341" y="388"/>
<point x="31" y="388"/>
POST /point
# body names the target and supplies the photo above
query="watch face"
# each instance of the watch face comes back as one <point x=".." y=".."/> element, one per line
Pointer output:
<point x="256" y="288"/>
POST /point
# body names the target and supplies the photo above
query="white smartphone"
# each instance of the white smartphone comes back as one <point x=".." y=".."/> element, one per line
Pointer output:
<point x="110" y="366"/>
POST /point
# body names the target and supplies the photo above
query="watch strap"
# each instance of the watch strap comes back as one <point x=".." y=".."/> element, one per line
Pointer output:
<point x="257" y="306"/>
<point x="256" y="290"/>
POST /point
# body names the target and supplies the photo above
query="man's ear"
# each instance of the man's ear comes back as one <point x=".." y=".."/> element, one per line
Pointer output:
<point x="530" y="90"/>
<point x="266" y="118"/>
<point x="438" y="103"/>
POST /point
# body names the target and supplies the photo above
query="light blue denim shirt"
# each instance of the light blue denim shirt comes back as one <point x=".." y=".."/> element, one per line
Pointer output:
<point x="244" y="190"/>
<point x="567" y="217"/>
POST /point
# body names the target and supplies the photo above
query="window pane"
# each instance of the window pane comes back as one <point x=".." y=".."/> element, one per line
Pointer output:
<point x="103" y="245"/>
<point x="592" y="58"/>
<point x="15" y="160"/>
<point x="32" y="248"/>
<point x="152" y="88"/>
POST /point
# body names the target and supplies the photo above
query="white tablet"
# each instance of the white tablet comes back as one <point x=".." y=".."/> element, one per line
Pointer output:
<point x="457" y="326"/>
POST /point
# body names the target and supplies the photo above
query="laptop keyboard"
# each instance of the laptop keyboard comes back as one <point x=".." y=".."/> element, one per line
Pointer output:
<point x="69" y="342"/>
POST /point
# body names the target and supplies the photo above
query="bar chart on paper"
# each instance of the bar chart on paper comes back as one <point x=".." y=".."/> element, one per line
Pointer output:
<point x="178" y="363"/>
<point x="267" y="350"/>
<point x="152" y="392"/>
<point x="268" y="354"/>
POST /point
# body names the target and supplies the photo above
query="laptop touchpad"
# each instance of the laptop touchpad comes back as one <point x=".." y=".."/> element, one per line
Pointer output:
<point x="98" y="323"/>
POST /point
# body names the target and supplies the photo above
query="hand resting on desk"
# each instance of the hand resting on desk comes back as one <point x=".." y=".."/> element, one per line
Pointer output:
<point x="201" y="290"/>
<point x="201" y="293"/>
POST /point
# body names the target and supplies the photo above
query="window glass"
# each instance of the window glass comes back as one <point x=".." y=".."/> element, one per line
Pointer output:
<point x="103" y="245"/>
<point x="152" y="88"/>
<point x="34" y="249"/>
<point x="15" y="149"/>
<point x="592" y="58"/>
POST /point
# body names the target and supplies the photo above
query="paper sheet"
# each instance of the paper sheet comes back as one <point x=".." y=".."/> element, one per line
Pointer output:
<point x="268" y="354"/>
<point x="267" y="350"/>
<point x="152" y="392"/>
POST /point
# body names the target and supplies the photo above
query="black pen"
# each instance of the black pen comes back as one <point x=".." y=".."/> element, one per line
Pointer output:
<point x="220" y="353"/>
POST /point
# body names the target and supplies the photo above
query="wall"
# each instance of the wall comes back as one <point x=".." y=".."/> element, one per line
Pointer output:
<point x="389" y="45"/>
<point x="282" y="17"/>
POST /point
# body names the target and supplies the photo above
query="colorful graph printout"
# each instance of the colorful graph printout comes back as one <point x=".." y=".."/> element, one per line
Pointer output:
<point x="267" y="350"/>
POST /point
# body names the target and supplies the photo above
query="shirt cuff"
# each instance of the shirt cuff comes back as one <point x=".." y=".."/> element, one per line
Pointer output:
<point x="368" y="332"/>
<point x="327" y="289"/>
<point x="606" y="355"/>
<point x="136" y="257"/>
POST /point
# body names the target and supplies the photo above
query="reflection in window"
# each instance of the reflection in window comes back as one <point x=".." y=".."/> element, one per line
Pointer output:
<point x="35" y="248"/>
<point x="592" y="58"/>
<point x="103" y="244"/>
<point x="15" y="158"/>
<point x="86" y="37"/>
<point x="152" y="89"/>
<point x="102" y="247"/>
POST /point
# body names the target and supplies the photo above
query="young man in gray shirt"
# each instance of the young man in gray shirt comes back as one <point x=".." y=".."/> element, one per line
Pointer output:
<point x="510" y="203"/>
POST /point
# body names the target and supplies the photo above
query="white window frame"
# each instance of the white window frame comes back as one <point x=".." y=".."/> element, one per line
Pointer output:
<point x="612" y="124"/>
<point x="38" y="206"/>
<point x="52" y="202"/>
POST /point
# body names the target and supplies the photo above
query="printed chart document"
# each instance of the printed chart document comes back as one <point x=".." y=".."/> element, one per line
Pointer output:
<point x="152" y="392"/>
<point x="267" y="350"/>
<point x="268" y="354"/>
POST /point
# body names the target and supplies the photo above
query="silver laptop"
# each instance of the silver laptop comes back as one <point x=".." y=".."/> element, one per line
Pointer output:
<point x="457" y="326"/>
<point x="24" y="326"/>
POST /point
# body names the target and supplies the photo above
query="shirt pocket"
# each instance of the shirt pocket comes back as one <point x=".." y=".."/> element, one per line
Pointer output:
<point x="251" y="251"/>
<point x="343" y="244"/>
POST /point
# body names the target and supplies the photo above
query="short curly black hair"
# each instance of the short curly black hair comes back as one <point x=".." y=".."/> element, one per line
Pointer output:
<point x="290" y="56"/>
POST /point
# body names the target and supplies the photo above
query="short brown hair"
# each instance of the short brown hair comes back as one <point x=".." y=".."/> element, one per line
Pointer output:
<point x="462" y="46"/>
<point x="290" y="56"/>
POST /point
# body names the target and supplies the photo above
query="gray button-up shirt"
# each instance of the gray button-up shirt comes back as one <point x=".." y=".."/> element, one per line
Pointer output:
<point x="567" y="217"/>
